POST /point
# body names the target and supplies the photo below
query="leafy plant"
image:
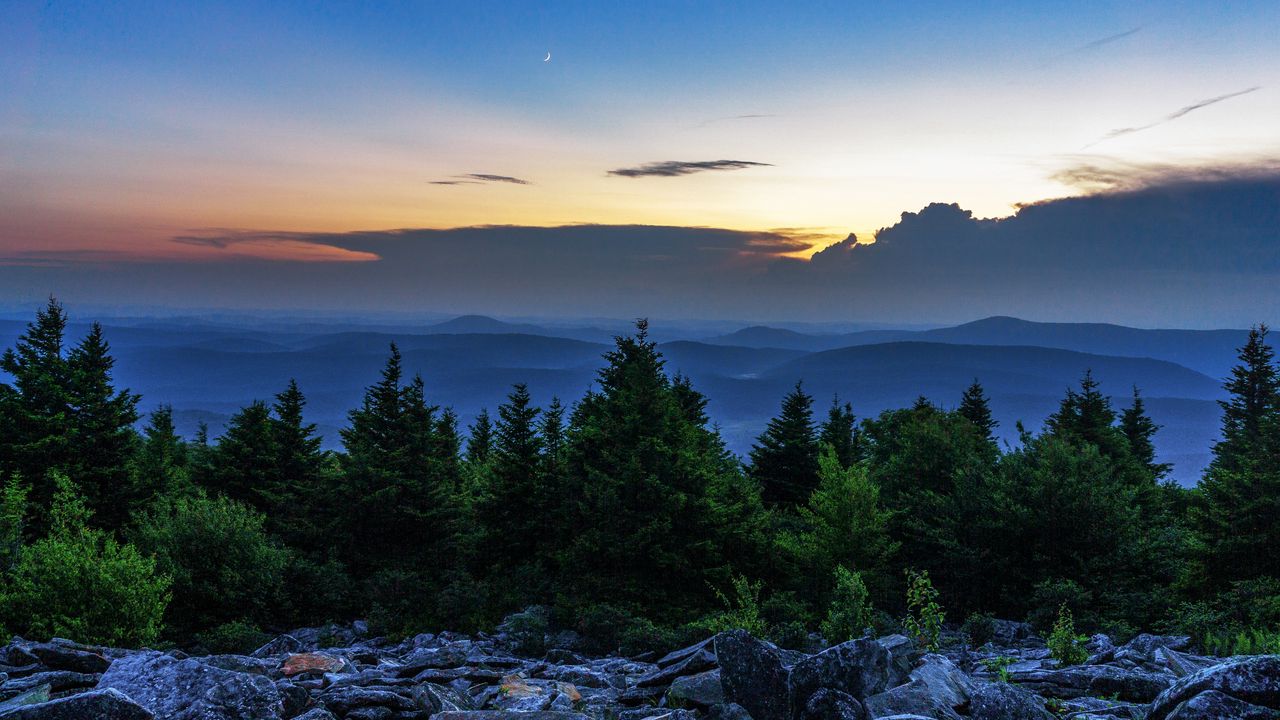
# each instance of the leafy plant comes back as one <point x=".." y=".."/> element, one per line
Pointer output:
<point x="528" y="630"/>
<point x="1065" y="645"/>
<point x="850" y="613"/>
<point x="1000" y="666"/>
<point x="1254" y="641"/>
<point x="741" y="610"/>
<point x="979" y="628"/>
<point x="233" y="637"/>
<point x="925" y="615"/>
<point x="81" y="583"/>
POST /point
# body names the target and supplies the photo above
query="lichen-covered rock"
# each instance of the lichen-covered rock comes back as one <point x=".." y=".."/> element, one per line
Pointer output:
<point x="93" y="705"/>
<point x="191" y="690"/>
<point x="752" y="675"/>
<point x="1214" y="705"/>
<point x="828" y="704"/>
<point x="1094" y="680"/>
<point x="937" y="688"/>
<point x="1001" y="701"/>
<point x="858" y="668"/>
<point x="1252" y="680"/>
<point x="698" y="691"/>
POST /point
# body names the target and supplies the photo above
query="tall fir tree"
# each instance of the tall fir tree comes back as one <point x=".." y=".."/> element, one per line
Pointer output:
<point x="840" y="432"/>
<point x="480" y="439"/>
<point x="246" y="465"/>
<point x="1139" y="429"/>
<point x="1236" y="515"/>
<point x="976" y="408"/>
<point x="784" y="459"/>
<point x="160" y="465"/>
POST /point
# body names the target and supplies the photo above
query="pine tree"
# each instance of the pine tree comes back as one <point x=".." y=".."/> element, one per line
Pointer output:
<point x="1237" y="515"/>
<point x="512" y="507"/>
<point x="246" y="464"/>
<point x="975" y="408"/>
<point x="102" y="429"/>
<point x="37" y="407"/>
<point x="480" y="439"/>
<point x="553" y="441"/>
<point x="1138" y="429"/>
<point x="160" y="465"/>
<point x="784" y="459"/>
<point x="299" y="471"/>
<point x="1086" y="416"/>
<point x="840" y="432"/>
<point x="647" y="494"/>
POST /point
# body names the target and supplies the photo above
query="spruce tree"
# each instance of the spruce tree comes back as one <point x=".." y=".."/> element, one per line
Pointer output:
<point x="103" y="434"/>
<point x="1139" y="429"/>
<point x="840" y="432"/>
<point x="246" y="465"/>
<point x="292" y="503"/>
<point x="37" y="408"/>
<point x="784" y="459"/>
<point x="1237" y="513"/>
<point x="480" y="439"/>
<point x="975" y="408"/>
<point x="159" y="466"/>
<point x="643" y="496"/>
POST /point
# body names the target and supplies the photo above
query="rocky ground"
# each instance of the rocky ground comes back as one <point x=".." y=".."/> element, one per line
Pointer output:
<point x="729" y="677"/>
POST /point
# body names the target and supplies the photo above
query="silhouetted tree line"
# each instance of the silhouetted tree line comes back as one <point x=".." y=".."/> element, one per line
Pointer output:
<point x="623" y="512"/>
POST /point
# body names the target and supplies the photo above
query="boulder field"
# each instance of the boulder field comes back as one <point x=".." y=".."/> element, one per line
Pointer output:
<point x="732" y="676"/>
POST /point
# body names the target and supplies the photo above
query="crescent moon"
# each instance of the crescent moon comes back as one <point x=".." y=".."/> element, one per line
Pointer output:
<point x="547" y="58"/>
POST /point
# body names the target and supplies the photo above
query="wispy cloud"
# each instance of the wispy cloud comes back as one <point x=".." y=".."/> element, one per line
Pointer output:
<point x="676" y="168"/>
<point x="1094" y="45"/>
<point x="1105" y="175"/>
<point x="480" y="179"/>
<point x="1119" y="132"/>
<point x="730" y="118"/>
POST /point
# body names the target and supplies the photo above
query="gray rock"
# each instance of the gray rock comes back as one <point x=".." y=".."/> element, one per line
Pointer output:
<point x="191" y="690"/>
<point x="503" y="715"/>
<point x="94" y="705"/>
<point x="1094" y="680"/>
<point x="281" y="645"/>
<point x="57" y="656"/>
<point x="728" y="711"/>
<point x="318" y="713"/>
<point x="859" y="668"/>
<point x="294" y="698"/>
<point x="343" y="701"/>
<point x="450" y="656"/>
<point x="703" y="658"/>
<point x="1254" y="680"/>
<point x="1180" y="664"/>
<point x="678" y="656"/>
<point x="1001" y="701"/>
<point x="57" y="680"/>
<point x="1214" y="705"/>
<point x="752" y="675"/>
<point x="828" y="704"/>
<point x="903" y="655"/>
<point x="936" y="689"/>
<point x="699" y="691"/>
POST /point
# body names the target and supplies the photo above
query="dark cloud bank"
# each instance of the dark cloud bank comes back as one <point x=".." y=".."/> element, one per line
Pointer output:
<point x="1195" y="250"/>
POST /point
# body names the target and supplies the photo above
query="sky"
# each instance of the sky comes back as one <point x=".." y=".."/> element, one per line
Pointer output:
<point x="312" y="155"/>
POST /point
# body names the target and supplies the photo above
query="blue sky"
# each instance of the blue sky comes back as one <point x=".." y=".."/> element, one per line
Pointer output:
<point x="124" y="125"/>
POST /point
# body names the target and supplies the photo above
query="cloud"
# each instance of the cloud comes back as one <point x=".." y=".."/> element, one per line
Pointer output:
<point x="1119" y="132"/>
<point x="675" y="168"/>
<point x="729" y="118"/>
<point x="1150" y="246"/>
<point x="480" y="179"/>
<point x="1107" y="40"/>
<point x="1093" y="174"/>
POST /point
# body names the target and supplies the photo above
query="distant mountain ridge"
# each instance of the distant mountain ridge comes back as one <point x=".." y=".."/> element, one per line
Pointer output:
<point x="208" y="372"/>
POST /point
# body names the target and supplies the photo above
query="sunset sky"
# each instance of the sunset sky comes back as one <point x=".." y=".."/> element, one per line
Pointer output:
<point x="137" y="132"/>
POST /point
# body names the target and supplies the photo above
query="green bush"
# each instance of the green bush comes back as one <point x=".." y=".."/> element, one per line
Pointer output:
<point x="528" y="630"/>
<point x="1000" y="666"/>
<point x="1049" y="595"/>
<point x="236" y="637"/>
<point x="1064" y="644"/>
<point x="224" y="566"/>
<point x="81" y="583"/>
<point x="925" y="616"/>
<point x="1254" y="641"/>
<point x="741" y="610"/>
<point x="601" y="627"/>
<point x="979" y="628"/>
<point x="850" y="613"/>
<point x="641" y="635"/>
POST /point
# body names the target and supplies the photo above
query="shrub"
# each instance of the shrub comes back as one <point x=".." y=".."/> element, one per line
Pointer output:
<point x="528" y="630"/>
<point x="791" y="635"/>
<point x="224" y="566"/>
<point x="81" y="583"/>
<point x="1255" y="641"/>
<point x="741" y="610"/>
<point x="850" y="613"/>
<point x="1064" y="644"/>
<point x="236" y="637"/>
<point x="979" y="628"/>
<point x="13" y="510"/>
<point x="1000" y="666"/>
<point x="925" y="616"/>
<point x="601" y="627"/>
<point x="1051" y="594"/>
<point x="641" y="635"/>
